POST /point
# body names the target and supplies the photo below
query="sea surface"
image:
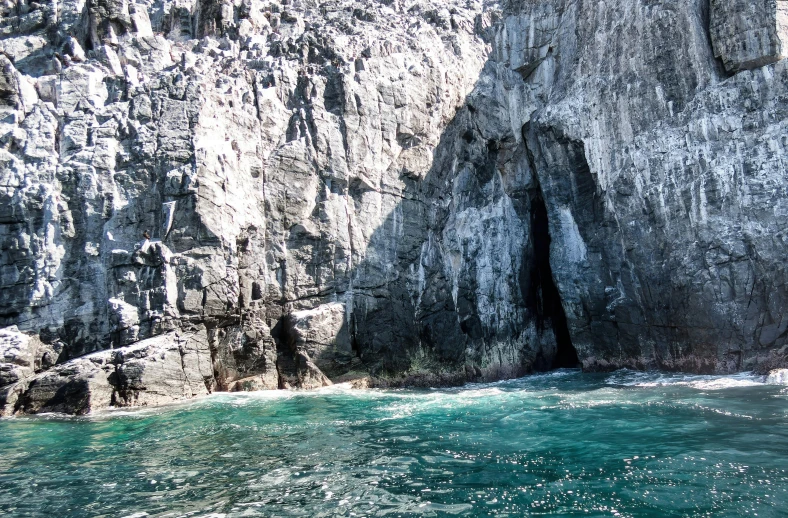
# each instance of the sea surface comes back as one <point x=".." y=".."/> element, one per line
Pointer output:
<point x="563" y="444"/>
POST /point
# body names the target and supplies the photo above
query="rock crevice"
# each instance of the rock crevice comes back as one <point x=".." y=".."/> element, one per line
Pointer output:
<point x="422" y="193"/>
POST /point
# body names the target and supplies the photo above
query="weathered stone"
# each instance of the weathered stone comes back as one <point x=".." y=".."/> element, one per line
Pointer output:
<point x="299" y="372"/>
<point x="323" y="334"/>
<point x="9" y="84"/>
<point x="419" y="192"/>
<point x="244" y="356"/>
<point x="77" y="387"/>
<point x="163" y="369"/>
<point x="22" y="355"/>
<point x="749" y="34"/>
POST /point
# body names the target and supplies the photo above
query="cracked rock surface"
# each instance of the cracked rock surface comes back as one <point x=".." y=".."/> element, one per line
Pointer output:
<point x="223" y="195"/>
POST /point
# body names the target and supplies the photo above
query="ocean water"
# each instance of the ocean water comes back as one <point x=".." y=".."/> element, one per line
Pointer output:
<point x="563" y="444"/>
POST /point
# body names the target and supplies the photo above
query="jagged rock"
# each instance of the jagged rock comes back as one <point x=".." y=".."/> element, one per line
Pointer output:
<point x="323" y="334"/>
<point x="429" y="192"/>
<point x="299" y="372"/>
<point x="294" y="365"/>
<point x="108" y="19"/>
<point x="140" y="21"/>
<point x="649" y="200"/>
<point x="9" y="85"/>
<point x="749" y="34"/>
<point x="74" y="49"/>
<point x="267" y="381"/>
<point x="77" y="387"/>
<point x="244" y="356"/>
<point x="22" y="355"/>
<point x="163" y="369"/>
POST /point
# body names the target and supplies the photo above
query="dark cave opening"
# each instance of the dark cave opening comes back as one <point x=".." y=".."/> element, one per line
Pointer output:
<point x="543" y="297"/>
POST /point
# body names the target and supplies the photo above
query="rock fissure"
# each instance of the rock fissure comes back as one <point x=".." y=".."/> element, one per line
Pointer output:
<point x="320" y="172"/>
<point x="543" y="298"/>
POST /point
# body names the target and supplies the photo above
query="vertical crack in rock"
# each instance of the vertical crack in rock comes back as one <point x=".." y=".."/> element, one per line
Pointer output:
<point x="283" y="334"/>
<point x="118" y="383"/>
<point x="221" y="383"/>
<point x="296" y="369"/>
<point x="543" y="297"/>
<point x="182" y="353"/>
<point x="354" y="345"/>
<point x="336" y="135"/>
<point x="705" y="17"/>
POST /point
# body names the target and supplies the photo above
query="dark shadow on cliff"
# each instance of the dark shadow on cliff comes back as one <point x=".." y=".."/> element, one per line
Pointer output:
<point x="416" y="305"/>
<point x="543" y="298"/>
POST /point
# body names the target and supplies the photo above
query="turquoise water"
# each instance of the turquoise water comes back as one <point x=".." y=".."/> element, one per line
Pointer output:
<point x="566" y="443"/>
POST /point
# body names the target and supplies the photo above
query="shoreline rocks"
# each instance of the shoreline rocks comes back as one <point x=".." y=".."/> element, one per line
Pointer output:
<point x="247" y="195"/>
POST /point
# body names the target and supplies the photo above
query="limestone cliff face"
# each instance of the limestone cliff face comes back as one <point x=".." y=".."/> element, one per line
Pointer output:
<point x="427" y="192"/>
<point x="660" y="152"/>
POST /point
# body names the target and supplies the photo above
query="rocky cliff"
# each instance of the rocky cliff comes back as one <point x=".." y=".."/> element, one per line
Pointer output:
<point x="220" y="195"/>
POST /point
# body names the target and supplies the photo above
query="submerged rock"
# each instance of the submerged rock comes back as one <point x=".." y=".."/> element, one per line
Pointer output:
<point x="253" y="195"/>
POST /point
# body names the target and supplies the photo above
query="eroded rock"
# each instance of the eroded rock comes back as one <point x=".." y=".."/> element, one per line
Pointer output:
<point x="164" y="369"/>
<point x="247" y="195"/>
<point x="749" y="34"/>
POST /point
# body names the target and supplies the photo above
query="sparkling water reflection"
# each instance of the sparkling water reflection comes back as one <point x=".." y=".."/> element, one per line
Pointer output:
<point x="565" y="443"/>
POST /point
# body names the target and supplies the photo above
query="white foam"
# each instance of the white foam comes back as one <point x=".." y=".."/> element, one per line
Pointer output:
<point x="777" y="377"/>
<point x="724" y="383"/>
<point x="629" y="378"/>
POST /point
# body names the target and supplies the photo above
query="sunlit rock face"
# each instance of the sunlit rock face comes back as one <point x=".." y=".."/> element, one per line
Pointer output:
<point x="277" y="194"/>
<point x="664" y="180"/>
<point x="749" y="34"/>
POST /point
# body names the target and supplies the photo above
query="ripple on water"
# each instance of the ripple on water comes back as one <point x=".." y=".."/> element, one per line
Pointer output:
<point x="564" y="443"/>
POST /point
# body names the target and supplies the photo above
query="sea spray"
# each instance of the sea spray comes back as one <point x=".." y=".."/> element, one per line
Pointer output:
<point x="564" y="443"/>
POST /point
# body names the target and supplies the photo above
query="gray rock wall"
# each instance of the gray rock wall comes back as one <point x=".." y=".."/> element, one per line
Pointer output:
<point x="749" y="34"/>
<point x="424" y="192"/>
<point x="664" y="182"/>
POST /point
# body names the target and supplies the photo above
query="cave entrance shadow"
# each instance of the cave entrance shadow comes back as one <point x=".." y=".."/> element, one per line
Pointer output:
<point x="543" y="297"/>
<point x="391" y="326"/>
